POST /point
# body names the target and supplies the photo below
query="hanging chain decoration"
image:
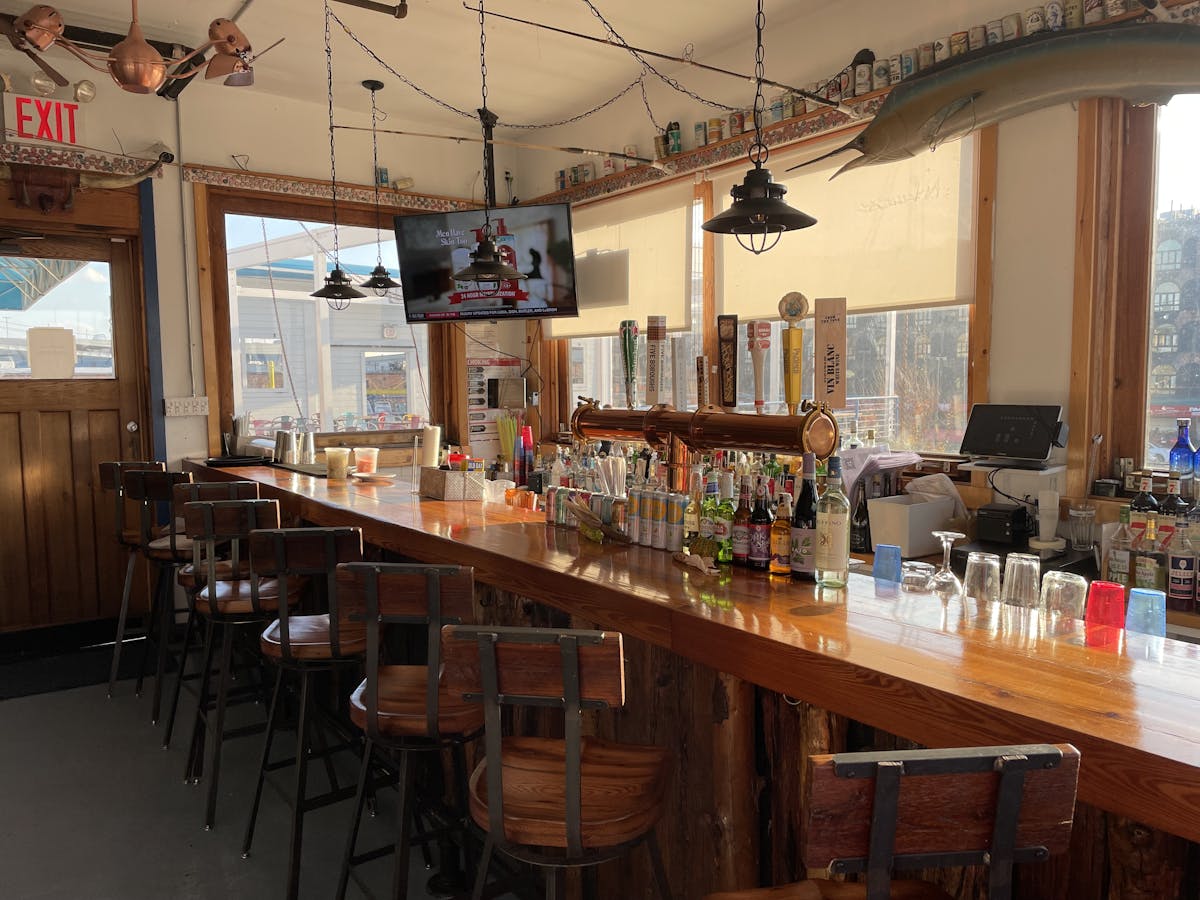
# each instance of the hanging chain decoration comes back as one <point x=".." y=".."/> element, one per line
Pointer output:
<point x="758" y="151"/>
<point x="646" y="103"/>
<point x="375" y="173"/>
<point x="483" y="111"/>
<point x="332" y="148"/>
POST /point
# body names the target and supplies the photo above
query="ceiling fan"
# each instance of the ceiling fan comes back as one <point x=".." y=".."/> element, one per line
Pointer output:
<point x="19" y="42"/>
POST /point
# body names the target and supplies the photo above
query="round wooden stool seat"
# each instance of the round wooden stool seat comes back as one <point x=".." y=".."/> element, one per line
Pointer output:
<point x="402" y="692"/>
<point x="232" y="598"/>
<point x="623" y="790"/>
<point x="160" y="548"/>
<point x="189" y="580"/>
<point x="308" y="637"/>
<point x="819" y="889"/>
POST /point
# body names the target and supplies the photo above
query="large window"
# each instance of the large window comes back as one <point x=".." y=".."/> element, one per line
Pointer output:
<point x="296" y="362"/>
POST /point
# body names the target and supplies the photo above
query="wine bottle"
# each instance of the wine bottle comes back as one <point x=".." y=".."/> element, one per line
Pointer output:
<point x="760" y="527"/>
<point x="860" y="524"/>
<point x="832" y="554"/>
<point x="741" y="525"/>
<point x="804" y="522"/>
<point x="723" y="521"/>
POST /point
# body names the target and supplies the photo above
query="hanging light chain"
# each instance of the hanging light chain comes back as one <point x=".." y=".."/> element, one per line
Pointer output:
<point x="487" y="148"/>
<point x="758" y="151"/>
<point x="375" y="174"/>
<point x="332" y="150"/>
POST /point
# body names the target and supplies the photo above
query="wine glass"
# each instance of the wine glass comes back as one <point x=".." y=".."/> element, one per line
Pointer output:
<point x="945" y="583"/>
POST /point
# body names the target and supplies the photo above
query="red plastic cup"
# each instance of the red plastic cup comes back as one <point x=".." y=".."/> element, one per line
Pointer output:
<point x="1105" y="616"/>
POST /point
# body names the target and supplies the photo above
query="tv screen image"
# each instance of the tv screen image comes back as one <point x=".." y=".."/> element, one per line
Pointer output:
<point x="535" y="240"/>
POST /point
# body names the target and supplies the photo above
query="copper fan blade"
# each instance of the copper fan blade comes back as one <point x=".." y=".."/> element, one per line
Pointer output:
<point x="59" y="79"/>
<point x="221" y="65"/>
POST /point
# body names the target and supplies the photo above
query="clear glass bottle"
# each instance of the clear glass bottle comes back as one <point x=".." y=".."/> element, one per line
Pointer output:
<point x="741" y="524"/>
<point x="1181" y="570"/>
<point x="832" y="554"/>
<point x="1118" y="564"/>
<point x="1149" y="559"/>
<point x="708" y="508"/>
<point x="691" y="514"/>
<point x="723" y="520"/>
<point x="1182" y="457"/>
<point x="781" y="536"/>
<point x="804" y="521"/>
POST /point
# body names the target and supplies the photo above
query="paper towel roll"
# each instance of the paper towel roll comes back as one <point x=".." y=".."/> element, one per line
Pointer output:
<point x="431" y="445"/>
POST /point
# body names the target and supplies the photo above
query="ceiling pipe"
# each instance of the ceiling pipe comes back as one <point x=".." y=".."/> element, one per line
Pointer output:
<point x="399" y="11"/>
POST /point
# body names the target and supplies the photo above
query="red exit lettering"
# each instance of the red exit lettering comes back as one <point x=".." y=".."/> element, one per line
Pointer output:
<point x="46" y="120"/>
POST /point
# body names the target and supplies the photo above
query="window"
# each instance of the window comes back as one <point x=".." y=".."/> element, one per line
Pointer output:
<point x="296" y="362"/>
<point x="1162" y="378"/>
<point x="1166" y="298"/>
<point x="1169" y="254"/>
<point x="1166" y="339"/>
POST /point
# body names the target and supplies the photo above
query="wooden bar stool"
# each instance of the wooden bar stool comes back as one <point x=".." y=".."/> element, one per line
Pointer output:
<point x="553" y="803"/>
<point x="128" y="536"/>
<point x="166" y="550"/>
<point x="191" y="576"/>
<point x="876" y="813"/>
<point x="405" y="709"/>
<point x="304" y="646"/>
<point x="225" y="606"/>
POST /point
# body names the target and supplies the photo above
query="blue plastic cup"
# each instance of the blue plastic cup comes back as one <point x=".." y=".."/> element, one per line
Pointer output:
<point x="887" y="563"/>
<point x="1147" y="612"/>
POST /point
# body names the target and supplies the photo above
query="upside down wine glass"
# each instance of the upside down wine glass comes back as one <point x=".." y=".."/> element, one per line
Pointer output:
<point x="945" y="583"/>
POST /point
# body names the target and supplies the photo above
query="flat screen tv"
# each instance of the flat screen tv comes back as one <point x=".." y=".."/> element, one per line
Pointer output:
<point x="536" y="240"/>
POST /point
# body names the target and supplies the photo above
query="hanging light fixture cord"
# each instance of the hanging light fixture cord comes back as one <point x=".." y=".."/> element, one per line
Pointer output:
<point x="375" y="173"/>
<point x="758" y="151"/>
<point x="487" y="149"/>
<point x="332" y="151"/>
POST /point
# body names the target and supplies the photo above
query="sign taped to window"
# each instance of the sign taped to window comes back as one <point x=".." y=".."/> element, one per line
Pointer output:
<point x="829" y="351"/>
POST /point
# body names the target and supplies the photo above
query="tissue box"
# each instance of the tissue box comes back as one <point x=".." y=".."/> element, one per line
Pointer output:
<point x="438" y="484"/>
<point x="908" y="521"/>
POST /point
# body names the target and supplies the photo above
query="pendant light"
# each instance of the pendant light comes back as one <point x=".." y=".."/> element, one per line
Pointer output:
<point x="338" y="290"/>
<point x="758" y="215"/>
<point x="380" y="281"/>
<point x="486" y="269"/>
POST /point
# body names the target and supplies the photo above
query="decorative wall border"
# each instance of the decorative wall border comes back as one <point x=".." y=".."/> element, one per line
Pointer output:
<point x="308" y="187"/>
<point x="67" y="158"/>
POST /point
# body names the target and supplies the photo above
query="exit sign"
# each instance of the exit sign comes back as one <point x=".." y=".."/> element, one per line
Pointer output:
<point x="42" y="120"/>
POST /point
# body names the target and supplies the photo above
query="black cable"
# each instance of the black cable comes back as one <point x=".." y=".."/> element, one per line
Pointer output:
<point x="991" y="480"/>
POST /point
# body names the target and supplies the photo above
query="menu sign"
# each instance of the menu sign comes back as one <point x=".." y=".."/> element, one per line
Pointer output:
<point x="829" y="352"/>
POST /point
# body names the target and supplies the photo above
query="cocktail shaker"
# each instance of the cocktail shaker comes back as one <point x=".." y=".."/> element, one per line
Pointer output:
<point x="285" y="447"/>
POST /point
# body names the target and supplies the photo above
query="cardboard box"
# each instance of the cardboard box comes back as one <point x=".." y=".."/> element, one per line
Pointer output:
<point x="440" y="484"/>
<point x="908" y="522"/>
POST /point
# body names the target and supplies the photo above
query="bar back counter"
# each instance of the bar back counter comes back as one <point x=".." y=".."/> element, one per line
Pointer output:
<point x="745" y="676"/>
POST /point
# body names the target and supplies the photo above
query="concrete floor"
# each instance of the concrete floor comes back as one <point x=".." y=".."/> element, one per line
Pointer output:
<point x="92" y="809"/>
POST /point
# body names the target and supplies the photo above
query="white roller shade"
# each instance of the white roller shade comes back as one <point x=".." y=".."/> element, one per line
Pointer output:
<point x="887" y="236"/>
<point x="632" y="259"/>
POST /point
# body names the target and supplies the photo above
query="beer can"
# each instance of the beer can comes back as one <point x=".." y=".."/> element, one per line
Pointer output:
<point x="976" y="37"/>
<point x="1012" y="26"/>
<point x="941" y="49"/>
<point x="960" y="43"/>
<point x="1114" y="7"/>
<point x="676" y="507"/>
<point x="569" y="519"/>
<point x="658" y="512"/>
<point x="716" y="129"/>
<point x="1093" y="11"/>
<point x="737" y="122"/>
<point x="1034" y="20"/>
<point x="1073" y="13"/>
<point x="633" y="515"/>
<point x="1056" y="15"/>
<point x="862" y="79"/>
<point x="606" y="508"/>
<point x="700" y="131"/>
<point x="620" y="518"/>
<point x="646" y="518"/>
<point x="995" y="32"/>
<point x="924" y="56"/>
<point x="896" y="68"/>
<point x="846" y="82"/>
<point x="549" y="498"/>
<point x="631" y="149"/>
<point x="881" y="76"/>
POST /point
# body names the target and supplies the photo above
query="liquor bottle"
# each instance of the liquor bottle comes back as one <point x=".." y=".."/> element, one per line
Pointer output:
<point x="1149" y="560"/>
<point x="741" y="525"/>
<point x="1118" y="565"/>
<point x="691" y="514"/>
<point x="1182" y="458"/>
<point x="723" y="521"/>
<point x="1181" y="570"/>
<point x="1172" y="509"/>
<point x="832" y="553"/>
<point x="760" y="527"/>
<point x="860" y="524"/>
<point x="853" y="443"/>
<point x="870" y="437"/>
<point x="1142" y="505"/>
<point x="804" y="522"/>
<point x="781" y="536"/>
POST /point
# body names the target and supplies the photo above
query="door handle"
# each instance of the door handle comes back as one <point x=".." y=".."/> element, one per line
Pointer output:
<point x="131" y="427"/>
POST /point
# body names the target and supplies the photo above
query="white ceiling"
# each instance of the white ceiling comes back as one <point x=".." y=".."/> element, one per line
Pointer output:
<point x="533" y="75"/>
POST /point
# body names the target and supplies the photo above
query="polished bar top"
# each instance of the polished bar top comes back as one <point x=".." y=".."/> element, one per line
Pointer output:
<point x="942" y="674"/>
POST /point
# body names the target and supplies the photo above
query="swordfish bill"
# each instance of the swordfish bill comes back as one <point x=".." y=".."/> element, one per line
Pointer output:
<point x="1139" y="63"/>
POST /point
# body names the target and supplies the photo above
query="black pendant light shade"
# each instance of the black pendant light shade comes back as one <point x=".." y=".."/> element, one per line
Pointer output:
<point x="486" y="266"/>
<point x="339" y="290"/>
<point x="758" y="215"/>
<point x="380" y="281"/>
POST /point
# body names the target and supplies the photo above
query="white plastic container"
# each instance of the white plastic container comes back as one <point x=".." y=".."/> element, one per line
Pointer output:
<point x="908" y="522"/>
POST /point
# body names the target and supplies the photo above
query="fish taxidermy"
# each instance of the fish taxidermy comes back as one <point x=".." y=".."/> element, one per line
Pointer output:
<point x="1136" y="62"/>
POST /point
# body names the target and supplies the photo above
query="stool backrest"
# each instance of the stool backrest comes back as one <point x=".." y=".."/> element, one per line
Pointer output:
<point x="152" y="487"/>
<point x="111" y="474"/>
<point x="402" y="594"/>
<point x="210" y="523"/>
<point x="876" y="812"/>
<point x="312" y="553"/>
<point x="567" y="669"/>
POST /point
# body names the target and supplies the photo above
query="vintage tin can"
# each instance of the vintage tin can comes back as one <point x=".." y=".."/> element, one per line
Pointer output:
<point x="846" y="82"/>
<point x="1012" y="26"/>
<point x="833" y="90"/>
<point x="862" y="79"/>
<point x="676" y="507"/>
<point x="548" y="497"/>
<point x="561" y="180"/>
<point x="881" y="75"/>
<point x="774" y="111"/>
<point x="658" y="534"/>
<point x="811" y="105"/>
<point x="633" y="515"/>
<point x="976" y="37"/>
<point x="700" y="133"/>
<point x="737" y="122"/>
<point x="662" y="146"/>
<point x="941" y="49"/>
<point x="1093" y="11"/>
<point x="896" y="68"/>
<point x="608" y="166"/>
<point x="631" y="149"/>
<point x="716" y="129"/>
<point x="960" y="43"/>
<point x="924" y="56"/>
<point x="1073" y="13"/>
<point x="1056" y="15"/>
<point x="1034" y="20"/>
<point x="587" y="172"/>
<point x="995" y="32"/>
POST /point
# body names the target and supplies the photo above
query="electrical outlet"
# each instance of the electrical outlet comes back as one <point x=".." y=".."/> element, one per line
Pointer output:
<point x="185" y="406"/>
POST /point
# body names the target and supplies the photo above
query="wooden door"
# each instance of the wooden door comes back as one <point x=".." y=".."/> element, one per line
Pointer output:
<point x="59" y="561"/>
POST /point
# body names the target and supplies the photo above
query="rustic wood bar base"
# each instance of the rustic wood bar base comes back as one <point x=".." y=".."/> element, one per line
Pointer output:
<point x="743" y="677"/>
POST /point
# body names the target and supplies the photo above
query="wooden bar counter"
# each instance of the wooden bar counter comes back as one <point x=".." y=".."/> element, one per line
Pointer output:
<point x="933" y="673"/>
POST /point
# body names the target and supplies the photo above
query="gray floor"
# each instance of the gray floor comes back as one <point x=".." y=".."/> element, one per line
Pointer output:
<point x="92" y="809"/>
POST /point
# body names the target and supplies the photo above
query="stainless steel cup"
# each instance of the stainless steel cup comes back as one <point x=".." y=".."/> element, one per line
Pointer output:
<point x="285" y="447"/>
<point x="307" y="451"/>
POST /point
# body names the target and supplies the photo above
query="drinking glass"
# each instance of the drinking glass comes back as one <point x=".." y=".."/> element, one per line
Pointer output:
<point x="1105" y="615"/>
<point x="1147" y="613"/>
<point x="337" y="461"/>
<point x="1064" y="594"/>
<point x="916" y="576"/>
<point x="1082" y="516"/>
<point x="945" y="583"/>
<point x="982" y="579"/>
<point x="1022" y="579"/>
<point x="366" y="459"/>
<point x="887" y="563"/>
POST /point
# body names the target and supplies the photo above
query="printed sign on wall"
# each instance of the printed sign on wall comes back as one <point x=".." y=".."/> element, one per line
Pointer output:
<point x="829" y="351"/>
<point x="42" y="119"/>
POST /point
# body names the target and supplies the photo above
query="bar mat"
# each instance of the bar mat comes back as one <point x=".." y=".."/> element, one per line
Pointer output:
<point x="317" y="470"/>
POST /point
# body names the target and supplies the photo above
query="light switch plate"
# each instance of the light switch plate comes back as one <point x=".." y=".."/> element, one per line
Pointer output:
<point x="185" y="406"/>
